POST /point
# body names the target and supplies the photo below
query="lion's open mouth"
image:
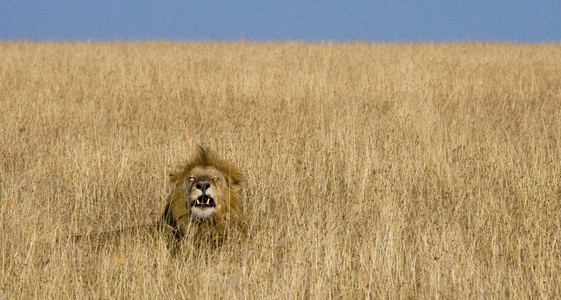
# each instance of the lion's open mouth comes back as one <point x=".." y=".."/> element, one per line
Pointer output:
<point x="204" y="201"/>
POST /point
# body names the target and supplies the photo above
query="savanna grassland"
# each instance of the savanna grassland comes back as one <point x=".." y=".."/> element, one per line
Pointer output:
<point x="371" y="170"/>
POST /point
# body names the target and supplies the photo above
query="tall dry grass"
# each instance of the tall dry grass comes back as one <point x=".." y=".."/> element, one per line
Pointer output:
<point x="372" y="171"/>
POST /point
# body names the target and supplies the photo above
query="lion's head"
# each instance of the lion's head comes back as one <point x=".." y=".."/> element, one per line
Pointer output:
<point x="205" y="196"/>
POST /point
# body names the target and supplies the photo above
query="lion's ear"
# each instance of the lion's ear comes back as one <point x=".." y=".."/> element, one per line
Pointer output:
<point x="172" y="177"/>
<point x="236" y="181"/>
<point x="236" y="185"/>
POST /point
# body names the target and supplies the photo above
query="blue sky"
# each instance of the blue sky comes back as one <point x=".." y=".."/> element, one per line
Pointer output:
<point x="354" y="20"/>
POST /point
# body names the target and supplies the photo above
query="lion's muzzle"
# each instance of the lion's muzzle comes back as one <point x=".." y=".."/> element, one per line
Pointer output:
<point x="204" y="201"/>
<point x="203" y="207"/>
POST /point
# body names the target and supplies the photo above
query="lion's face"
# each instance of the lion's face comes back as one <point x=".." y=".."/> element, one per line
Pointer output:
<point x="204" y="191"/>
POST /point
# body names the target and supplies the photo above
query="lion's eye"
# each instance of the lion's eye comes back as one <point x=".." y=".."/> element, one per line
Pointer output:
<point x="191" y="179"/>
<point x="215" y="180"/>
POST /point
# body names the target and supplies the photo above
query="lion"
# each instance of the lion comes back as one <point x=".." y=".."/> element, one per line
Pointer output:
<point x="204" y="203"/>
<point x="205" y="200"/>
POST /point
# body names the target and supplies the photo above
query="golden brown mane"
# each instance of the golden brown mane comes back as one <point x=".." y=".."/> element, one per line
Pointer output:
<point x="177" y="215"/>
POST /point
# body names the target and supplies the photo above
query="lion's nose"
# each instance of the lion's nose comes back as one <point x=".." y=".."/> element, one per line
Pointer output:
<point x="203" y="186"/>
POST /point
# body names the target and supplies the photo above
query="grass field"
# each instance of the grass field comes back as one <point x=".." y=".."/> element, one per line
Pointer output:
<point x="371" y="171"/>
